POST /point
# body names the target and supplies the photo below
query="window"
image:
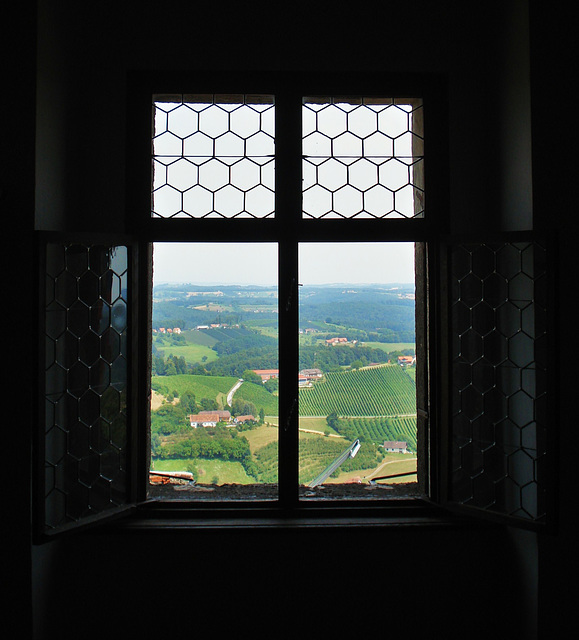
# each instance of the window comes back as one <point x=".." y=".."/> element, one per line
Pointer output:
<point x="288" y="170"/>
<point x="214" y="157"/>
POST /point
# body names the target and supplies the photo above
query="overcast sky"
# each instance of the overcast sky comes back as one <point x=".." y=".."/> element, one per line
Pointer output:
<point x="320" y="263"/>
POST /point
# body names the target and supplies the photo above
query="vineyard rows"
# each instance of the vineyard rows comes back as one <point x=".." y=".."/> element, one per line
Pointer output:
<point x="379" y="430"/>
<point x="381" y="391"/>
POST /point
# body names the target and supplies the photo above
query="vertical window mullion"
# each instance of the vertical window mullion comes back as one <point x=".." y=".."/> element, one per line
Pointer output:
<point x="288" y="214"/>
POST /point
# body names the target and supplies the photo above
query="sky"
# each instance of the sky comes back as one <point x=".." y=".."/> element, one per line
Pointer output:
<point x="320" y="263"/>
<point x="256" y="263"/>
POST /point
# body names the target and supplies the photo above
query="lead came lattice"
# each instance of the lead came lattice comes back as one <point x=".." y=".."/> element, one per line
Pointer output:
<point x="499" y="377"/>
<point x="213" y="156"/>
<point x="86" y="342"/>
<point x="363" y="158"/>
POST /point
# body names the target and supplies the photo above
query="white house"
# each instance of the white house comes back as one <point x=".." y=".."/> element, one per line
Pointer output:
<point x="395" y="446"/>
<point x="204" y="419"/>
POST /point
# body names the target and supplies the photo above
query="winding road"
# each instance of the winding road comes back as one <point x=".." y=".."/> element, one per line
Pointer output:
<point x="232" y="391"/>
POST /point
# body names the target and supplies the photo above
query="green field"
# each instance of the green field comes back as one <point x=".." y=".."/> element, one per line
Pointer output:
<point x="260" y="397"/>
<point x="394" y="463"/>
<point x="389" y="347"/>
<point x="208" y="471"/>
<point x="191" y="352"/>
<point x="200" y="386"/>
<point x="375" y="404"/>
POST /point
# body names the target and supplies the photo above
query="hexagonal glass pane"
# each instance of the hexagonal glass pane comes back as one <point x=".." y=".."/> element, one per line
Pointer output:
<point x="393" y="121"/>
<point x="245" y="121"/>
<point x="260" y="201"/>
<point x="363" y="175"/>
<point x="229" y="201"/>
<point x="332" y="175"/>
<point x="317" y="201"/>
<point x="378" y="201"/>
<point x="166" y="202"/>
<point x="229" y="144"/>
<point x="245" y="174"/>
<point x="348" y="201"/>
<point x="182" y="175"/>
<point x="78" y="319"/>
<point x="394" y="175"/>
<point x="198" y="201"/>
<point x="182" y="121"/>
<point x="362" y="122"/>
<point x="347" y="144"/>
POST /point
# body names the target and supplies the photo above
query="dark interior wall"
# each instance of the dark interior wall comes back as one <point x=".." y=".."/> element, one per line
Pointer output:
<point x="323" y="583"/>
<point x="555" y="142"/>
<point x="84" y="56"/>
<point x="462" y="582"/>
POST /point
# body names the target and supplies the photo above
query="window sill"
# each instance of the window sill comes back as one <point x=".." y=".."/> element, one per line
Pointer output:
<point x="162" y="516"/>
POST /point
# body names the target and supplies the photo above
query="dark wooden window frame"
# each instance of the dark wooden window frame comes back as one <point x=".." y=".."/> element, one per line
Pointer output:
<point x="289" y="228"/>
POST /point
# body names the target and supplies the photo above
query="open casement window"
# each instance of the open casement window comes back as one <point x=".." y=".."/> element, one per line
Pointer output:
<point x="481" y="308"/>
<point x="85" y="465"/>
<point x="498" y="416"/>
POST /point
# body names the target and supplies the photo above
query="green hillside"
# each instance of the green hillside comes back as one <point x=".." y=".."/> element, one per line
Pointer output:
<point x="260" y="397"/>
<point x="199" y="386"/>
<point x="380" y="391"/>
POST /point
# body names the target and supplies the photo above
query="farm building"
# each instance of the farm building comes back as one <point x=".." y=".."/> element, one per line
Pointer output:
<point x="222" y="413"/>
<point x="246" y="418"/>
<point x="311" y="374"/>
<point x="266" y="374"/>
<point x="334" y="341"/>
<point x="395" y="446"/>
<point x="204" y="419"/>
<point x="406" y="361"/>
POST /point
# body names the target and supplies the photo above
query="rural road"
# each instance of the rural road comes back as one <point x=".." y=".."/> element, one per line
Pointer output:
<point x="233" y="389"/>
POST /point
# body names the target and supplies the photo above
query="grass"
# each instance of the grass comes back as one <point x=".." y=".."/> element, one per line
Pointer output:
<point x="207" y="470"/>
<point x="311" y="424"/>
<point x="260" y="436"/>
<point x="200" y="386"/>
<point x="388" y="347"/>
<point x="260" y="397"/>
<point x="192" y="353"/>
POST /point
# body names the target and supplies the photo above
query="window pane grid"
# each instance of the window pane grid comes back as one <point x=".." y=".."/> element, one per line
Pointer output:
<point x="362" y="158"/>
<point x="213" y="156"/>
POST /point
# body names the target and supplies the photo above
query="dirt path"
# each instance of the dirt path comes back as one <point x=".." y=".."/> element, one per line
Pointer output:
<point x="157" y="400"/>
<point x="320" y="433"/>
<point x="384" y="464"/>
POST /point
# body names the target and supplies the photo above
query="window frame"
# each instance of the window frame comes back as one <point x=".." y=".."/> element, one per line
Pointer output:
<point x="288" y="228"/>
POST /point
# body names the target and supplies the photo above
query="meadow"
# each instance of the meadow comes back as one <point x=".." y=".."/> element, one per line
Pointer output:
<point x="213" y="387"/>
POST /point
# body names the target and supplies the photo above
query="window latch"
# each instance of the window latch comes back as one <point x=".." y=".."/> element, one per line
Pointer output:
<point x="291" y="414"/>
<point x="290" y="295"/>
